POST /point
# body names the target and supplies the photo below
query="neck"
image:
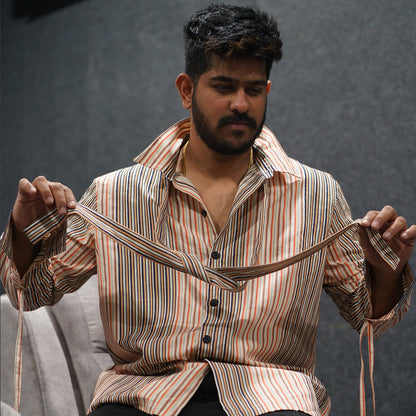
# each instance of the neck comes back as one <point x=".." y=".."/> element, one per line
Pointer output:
<point x="203" y="161"/>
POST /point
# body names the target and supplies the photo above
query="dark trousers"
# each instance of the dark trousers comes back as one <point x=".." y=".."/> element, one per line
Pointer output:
<point x="122" y="410"/>
<point x="204" y="402"/>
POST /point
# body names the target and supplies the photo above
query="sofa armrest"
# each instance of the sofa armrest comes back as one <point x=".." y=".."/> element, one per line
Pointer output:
<point x="46" y="382"/>
<point x="7" y="410"/>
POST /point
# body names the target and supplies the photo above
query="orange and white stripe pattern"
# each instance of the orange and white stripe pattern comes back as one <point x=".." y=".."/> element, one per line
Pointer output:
<point x="165" y="328"/>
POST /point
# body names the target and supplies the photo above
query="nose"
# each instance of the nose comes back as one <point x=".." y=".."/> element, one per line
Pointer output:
<point x="239" y="102"/>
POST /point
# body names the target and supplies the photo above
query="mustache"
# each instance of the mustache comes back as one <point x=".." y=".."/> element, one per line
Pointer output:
<point x="237" y="118"/>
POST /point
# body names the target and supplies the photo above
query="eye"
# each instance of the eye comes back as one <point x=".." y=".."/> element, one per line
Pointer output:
<point x="254" y="91"/>
<point x="222" y="88"/>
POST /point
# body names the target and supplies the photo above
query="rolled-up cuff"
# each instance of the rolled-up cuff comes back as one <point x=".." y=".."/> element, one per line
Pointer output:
<point x="395" y="314"/>
<point x="52" y="242"/>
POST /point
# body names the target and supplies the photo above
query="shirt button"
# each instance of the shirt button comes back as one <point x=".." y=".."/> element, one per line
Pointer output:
<point x="206" y="339"/>
<point x="215" y="255"/>
<point x="204" y="213"/>
<point x="214" y="302"/>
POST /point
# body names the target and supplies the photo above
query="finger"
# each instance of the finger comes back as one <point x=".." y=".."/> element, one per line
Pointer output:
<point x="385" y="217"/>
<point x="368" y="218"/>
<point x="398" y="226"/>
<point x="55" y="193"/>
<point x="70" y="197"/>
<point x="409" y="235"/>
<point x="63" y="197"/>
<point x="43" y="187"/>
<point x="67" y="198"/>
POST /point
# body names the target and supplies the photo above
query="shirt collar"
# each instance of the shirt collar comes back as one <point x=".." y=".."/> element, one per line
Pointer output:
<point x="162" y="154"/>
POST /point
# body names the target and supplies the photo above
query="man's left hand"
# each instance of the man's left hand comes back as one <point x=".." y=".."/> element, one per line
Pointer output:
<point x="395" y="232"/>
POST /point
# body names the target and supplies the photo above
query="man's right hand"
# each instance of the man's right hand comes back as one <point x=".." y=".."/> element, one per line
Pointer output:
<point x="33" y="201"/>
<point x="37" y="198"/>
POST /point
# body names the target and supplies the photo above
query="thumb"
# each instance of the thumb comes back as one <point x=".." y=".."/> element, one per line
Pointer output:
<point x="26" y="187"/>
<point x="363" y="236"/>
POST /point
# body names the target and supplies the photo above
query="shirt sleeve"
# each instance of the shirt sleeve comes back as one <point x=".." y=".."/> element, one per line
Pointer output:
<point x="347" y="279"/>
<point x="66" y="259"/>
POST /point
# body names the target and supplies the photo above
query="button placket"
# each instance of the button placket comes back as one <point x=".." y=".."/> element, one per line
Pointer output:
<point x="209" y="327"/>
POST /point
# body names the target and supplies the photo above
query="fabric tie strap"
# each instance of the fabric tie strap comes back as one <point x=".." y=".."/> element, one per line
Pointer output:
<point x="229" y="278"/>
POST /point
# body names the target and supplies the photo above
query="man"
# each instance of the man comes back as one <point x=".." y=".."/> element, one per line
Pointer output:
<point x="219" y="187"/>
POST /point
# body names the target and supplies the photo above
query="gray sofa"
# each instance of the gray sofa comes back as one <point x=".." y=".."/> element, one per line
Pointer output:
<point x="63" y="353"/>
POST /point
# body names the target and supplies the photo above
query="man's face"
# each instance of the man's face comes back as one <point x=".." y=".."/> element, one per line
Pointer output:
<point x="229" y="104"/>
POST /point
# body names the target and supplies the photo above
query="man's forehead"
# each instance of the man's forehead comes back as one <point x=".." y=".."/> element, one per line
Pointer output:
<point x="238" y="68"/>
<point x="221" y="78"/>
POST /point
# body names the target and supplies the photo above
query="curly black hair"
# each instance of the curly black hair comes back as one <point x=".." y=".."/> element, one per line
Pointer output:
<point x="229" y="31"/>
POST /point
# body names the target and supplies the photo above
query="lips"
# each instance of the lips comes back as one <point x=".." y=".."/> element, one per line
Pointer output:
<point x="240" y="124"/>
<point x="238" y="121"/>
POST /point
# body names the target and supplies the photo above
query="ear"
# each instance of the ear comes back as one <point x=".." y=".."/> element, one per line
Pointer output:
<point x="185" y="86"/>
<point x="269" y="85"/>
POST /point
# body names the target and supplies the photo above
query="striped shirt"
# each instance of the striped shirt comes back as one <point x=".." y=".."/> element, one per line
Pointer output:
<point x="166" y="329"/>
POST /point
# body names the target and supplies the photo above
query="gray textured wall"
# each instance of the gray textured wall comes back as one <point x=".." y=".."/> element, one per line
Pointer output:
<point x="86" y="87"/>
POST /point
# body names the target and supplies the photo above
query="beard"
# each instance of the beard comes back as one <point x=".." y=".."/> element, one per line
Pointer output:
<point x="212" y="138"/>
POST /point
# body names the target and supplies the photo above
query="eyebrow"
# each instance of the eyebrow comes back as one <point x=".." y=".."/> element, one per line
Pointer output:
<point x="222" y="78"/>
